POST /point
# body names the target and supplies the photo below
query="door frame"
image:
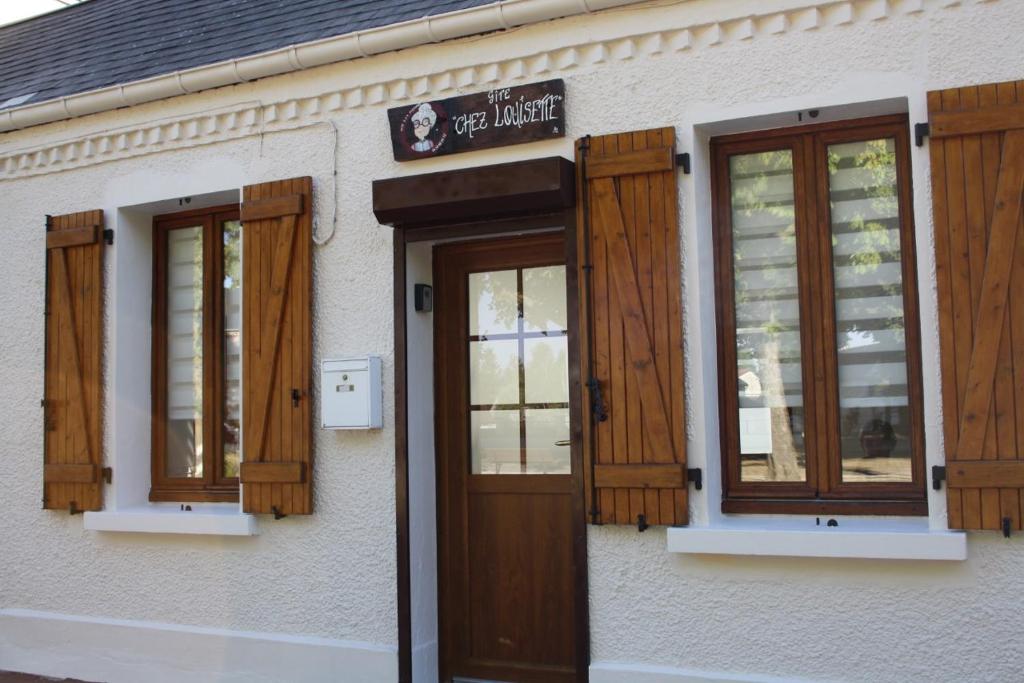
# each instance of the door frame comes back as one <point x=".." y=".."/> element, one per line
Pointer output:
<point x="566" y="221"/>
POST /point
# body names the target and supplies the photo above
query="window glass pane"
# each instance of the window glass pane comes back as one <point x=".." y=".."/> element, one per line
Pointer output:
<point x="232" y="345"/>
<point x="547" y="441"/>
<point x="547" y="369"/>
<point x="767" y="317"/>
<point x="493" y="303"/>
<point x="494" y="372"/>
<point x="494" y="442"/>
<point x="544" y="299"/>
<point x="185" y="353"/>
<point x="874" y="410"/>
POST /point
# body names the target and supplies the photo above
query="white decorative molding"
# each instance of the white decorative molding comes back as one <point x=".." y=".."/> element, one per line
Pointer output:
<point x="254" y="118"/>
<point x="122" y="650"/>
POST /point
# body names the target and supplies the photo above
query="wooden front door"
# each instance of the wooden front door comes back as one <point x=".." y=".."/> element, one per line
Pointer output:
<point x="505" y="475"/>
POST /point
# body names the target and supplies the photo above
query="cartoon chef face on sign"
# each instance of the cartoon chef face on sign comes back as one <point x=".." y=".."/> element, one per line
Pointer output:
<point x="422" y="122"/>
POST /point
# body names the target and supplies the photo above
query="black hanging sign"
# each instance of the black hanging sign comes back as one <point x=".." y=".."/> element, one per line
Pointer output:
<point x="506" y="116"/>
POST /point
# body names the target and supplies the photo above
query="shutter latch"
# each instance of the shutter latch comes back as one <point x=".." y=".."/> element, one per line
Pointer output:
<point x="695" y="476"/>
<point x="108" y="236"/>
<point x="921" y="131"/>
<point x="277" y="512"/>
<point x="938" y="476"/>
<point x="641" y="522"/>
<point x="296" y="397"/>
<point x="596" y="400"/>
<point x="1006" y="527"/>
<point x="683" y="161"/>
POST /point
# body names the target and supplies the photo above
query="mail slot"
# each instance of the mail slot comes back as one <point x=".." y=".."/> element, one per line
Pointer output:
<point x="350" y="392"/>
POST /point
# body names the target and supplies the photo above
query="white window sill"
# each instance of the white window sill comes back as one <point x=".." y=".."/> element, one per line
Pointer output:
<point x="907" y="544"/>
<point x="209" y="519"/>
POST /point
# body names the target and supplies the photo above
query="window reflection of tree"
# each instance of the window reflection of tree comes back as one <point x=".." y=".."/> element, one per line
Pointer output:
<point x="761" y="350"/>
<point x="867" y="259"/>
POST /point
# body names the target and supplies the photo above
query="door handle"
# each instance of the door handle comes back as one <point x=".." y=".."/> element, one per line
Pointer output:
<point x="563" y="442"/>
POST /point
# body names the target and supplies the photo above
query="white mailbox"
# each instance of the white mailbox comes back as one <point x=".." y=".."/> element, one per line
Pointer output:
<point x="350" y="391"/>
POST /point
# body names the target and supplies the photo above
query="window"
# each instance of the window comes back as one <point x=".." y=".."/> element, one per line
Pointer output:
<point x="197" y="307"/>
<point x="820" y="386"/>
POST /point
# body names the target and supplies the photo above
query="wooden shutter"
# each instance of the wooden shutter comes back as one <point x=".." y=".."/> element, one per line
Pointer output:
<point x="277" y="347"/>
<point x="631" y="335"/>
<point x="977" y="159"/>
<point x="73" y="386"/>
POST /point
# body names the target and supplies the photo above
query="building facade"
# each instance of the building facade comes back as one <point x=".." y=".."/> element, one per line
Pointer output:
<point x="789" y="329"/>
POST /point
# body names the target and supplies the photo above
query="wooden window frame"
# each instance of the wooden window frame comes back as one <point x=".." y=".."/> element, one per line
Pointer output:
<point x="213" y="486"/>
<point x="823" y="492"/>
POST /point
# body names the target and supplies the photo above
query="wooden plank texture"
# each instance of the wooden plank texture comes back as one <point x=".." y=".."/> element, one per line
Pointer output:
<point x="977" y="154"/>
<point x="633" y="330"/>
<point x="73" y="360"/>
<point x="72" y="238"/>
<point x="633" y="162"/>
<point x="272" y="207"/>
<point x="995" y="119"/>
<point x="640" y="476"/>
<point x="273" y="472"/>
<point x="70" y="474"/>
<point x="277" y="347"/>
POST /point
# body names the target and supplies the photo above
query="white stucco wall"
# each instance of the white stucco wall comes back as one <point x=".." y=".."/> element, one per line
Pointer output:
<point x="329" y="580"/>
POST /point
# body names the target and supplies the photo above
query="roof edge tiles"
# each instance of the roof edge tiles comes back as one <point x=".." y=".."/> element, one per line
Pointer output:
<point x="494" y="16"/>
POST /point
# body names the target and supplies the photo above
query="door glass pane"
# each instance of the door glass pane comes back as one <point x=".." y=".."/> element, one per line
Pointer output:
<point x="874" y="408"/>
<point x="547" y="369"/>
<point x="232" y="345"/>
<point x="519" y="381"/>
<point x="184" y="445"/>
<point x="547" y="441"/>
<point x="544" y="299"/>
<point x="493" y="303"/>
<point x="494" y="372"/>
<point x="771" y="412"/>
<point x="495" y="442"/>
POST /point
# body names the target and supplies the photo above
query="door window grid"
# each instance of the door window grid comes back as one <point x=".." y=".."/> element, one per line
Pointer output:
<point x="523" y="409"/>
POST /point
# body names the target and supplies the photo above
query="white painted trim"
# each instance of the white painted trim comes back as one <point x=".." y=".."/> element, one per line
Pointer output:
<point x="621" y="672"/>
<point x="211" y="519"/>
<point x="827" y="542"/>
<point x="621" y="39"/>
<point x="116" y="650"/>
<point x="449" y="25"/>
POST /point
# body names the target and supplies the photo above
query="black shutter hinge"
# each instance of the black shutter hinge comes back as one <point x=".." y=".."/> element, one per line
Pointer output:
<point x="641" y="522"/>
<point x="596" y="400"/>
<point x="695" y="476"/>
<point x="683" y="161"/>
<point x="49" y="222"/>
<point x="921" y="131"/>
<point x="108" y="236"/>
<point x="585" y="144"/>
<point x="108" y="474"/>
<point x="938" y="476"/>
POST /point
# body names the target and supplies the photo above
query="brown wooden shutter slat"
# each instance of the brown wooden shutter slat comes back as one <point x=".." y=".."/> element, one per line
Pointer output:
<point x="977" y="164"/>
<point x="74" y="345"/>
<point x="277" y="354"/>
<point x="632" y="333"/>
<point x="991" y="119"/>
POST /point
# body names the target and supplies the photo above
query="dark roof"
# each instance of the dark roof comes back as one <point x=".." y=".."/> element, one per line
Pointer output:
<point x="108" y="42"/>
